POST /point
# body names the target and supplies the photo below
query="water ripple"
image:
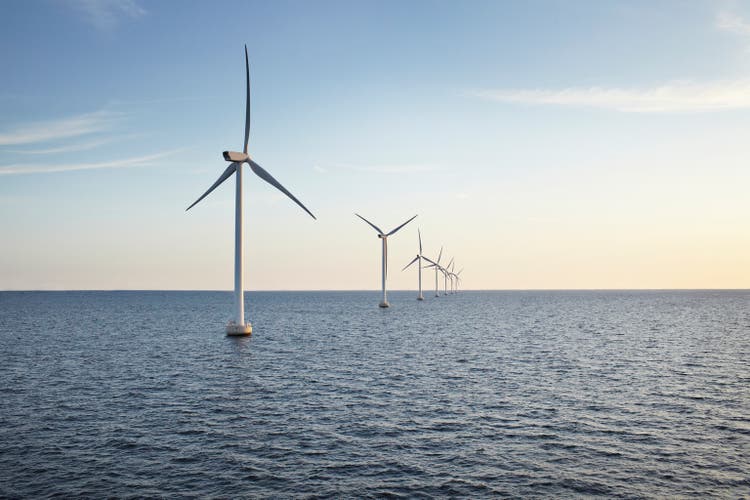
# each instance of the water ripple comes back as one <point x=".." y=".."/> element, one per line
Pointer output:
<point x="510" y="394"/>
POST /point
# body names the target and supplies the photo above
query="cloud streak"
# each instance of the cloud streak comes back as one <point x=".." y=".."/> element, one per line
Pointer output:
<point x="733" y="23"/>
<point x="671" y="97"/>
<point x="106" y="14"/>
<point x="46" y="168"/>
<point x="379" y="169"/>
<point x="69" y="148"/>
<point x="75" y="126"/>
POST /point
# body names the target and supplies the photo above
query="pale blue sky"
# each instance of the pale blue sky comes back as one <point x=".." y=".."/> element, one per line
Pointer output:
<point x="546" y="144"/>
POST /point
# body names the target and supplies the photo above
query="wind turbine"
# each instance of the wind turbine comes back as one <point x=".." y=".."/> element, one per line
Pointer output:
<point x="238" y="325"/>
<point x="445" y="277"/>
<point x="458" y="279"/>
<point x="384" y="236"/>
<point x="451" y="276"/>
<point x="418" y="258"/>
<point x="437" y="267"/>
<point x="443" y="270"/>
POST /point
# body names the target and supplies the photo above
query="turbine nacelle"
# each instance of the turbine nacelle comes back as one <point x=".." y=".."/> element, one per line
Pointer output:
<point x="235" y="156"/>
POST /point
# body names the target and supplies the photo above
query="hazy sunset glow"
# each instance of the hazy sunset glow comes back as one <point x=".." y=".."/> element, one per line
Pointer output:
<point x="544" y="144"/>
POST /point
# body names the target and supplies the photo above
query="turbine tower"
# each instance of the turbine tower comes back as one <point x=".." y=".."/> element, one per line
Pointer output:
<point x="238" y="325"/>
<point x="384" y="236"/>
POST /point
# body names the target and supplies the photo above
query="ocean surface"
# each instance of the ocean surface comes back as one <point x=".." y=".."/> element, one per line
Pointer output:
<point x="520" y="394"/>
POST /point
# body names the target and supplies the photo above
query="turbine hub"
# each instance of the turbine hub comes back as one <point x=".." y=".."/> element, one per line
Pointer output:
<point x="235" y="156"/>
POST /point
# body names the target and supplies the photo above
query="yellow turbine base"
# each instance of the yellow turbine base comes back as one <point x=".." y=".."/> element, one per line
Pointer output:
<point x="235" y="330"/>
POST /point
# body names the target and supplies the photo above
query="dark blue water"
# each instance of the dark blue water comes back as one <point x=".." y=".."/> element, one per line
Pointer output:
<point x="524" y="394"/>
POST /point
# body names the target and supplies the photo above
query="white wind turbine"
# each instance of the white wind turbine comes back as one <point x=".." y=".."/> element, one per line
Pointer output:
<point x="458" y="279"/>
<point x="384" y="236"/>
<point x="445" y="277"/>
<point x="437" y="267"/>
<point x="443" y="270"/>
<point x="418" y="259"/>
<point x="238" y="325"/>
<point x="451" y="276"/>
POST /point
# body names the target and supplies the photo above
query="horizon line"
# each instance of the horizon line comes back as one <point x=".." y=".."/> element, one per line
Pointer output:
<point x="375" y="290"/>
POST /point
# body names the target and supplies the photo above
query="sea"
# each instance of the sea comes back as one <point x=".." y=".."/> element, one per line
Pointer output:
<point x="522" y="394"/>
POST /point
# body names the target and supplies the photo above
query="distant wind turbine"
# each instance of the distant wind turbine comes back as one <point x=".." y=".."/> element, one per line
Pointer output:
<point x="238" y="325"/>
<point x="445" y="277"/>
<point x="437" y="267"/>
<point x="443" y="270"/>
<point x="384" y="236"/>
<point x="452" y="276"/>
<point x="458" y="279"/>
<point x="418" y="259"/>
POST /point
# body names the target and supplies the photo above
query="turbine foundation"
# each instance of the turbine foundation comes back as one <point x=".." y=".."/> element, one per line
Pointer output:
<point x="384" y="304"/>
<point x="235" y="330"/>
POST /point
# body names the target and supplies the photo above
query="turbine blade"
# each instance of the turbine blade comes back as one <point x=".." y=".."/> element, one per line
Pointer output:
<point x="449" y="263"/>
<point x="376" y="228"/>
<point x="410" y="263"/>
<point x="441" y="254"/>
<point x="430" y="261"/>
<point x="402" y="225"/>
<point x="227" y="173"/>
<point x="420" y="240"/>
<point x="260" y="172"/>
<point x="247" y="103"/>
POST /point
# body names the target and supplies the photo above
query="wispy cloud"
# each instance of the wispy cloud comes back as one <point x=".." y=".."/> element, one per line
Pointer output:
<point x="106" y="14"/>
<point x="68" y="148"/>
<point x="381" y="169"/>
<point x="727" y="20"/>
<point x="75" y="126"/>
<point x="139" y="161"/>
<point x="667" y="98"/>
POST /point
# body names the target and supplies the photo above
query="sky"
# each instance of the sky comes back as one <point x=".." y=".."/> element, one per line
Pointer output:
<point x="543" y="144"/>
